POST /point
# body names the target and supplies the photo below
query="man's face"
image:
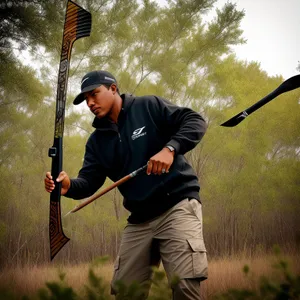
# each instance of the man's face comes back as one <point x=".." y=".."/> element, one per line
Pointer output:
<point x="100" y="100"/>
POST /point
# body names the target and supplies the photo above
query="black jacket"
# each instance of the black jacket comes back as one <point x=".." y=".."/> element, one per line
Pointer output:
<point x="145" y="125"/>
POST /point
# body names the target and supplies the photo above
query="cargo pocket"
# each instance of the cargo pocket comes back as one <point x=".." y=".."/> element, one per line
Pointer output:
<point x="199" y="258"/>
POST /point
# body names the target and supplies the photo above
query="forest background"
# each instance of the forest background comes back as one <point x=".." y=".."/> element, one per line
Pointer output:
<point x="249" y="174"/>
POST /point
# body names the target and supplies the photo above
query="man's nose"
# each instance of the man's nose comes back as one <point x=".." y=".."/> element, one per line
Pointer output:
<point x="90" y="102"/>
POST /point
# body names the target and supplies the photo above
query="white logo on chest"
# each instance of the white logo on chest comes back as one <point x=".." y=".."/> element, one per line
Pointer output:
<point x="138" y="133"/>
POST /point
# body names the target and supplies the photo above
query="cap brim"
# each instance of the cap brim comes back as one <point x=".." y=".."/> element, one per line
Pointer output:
<point x="80" y="97"/>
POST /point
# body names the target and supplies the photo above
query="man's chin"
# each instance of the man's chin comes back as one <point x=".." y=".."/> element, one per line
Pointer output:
<point x="100" y="115"/>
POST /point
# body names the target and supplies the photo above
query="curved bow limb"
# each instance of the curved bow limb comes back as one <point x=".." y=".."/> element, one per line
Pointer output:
<point x="77" y="25"/>
<point x="288" y="85"/>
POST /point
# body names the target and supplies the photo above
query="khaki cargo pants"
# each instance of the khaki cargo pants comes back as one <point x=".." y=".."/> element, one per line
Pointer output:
<point x="176" y="239"/>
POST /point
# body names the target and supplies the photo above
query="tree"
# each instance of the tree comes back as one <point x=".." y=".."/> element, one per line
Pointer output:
<point x="169" y="51"/>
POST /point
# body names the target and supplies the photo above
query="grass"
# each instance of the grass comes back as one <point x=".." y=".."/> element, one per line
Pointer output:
<point x="28" y="280"/>
<point x="224" y="274"/>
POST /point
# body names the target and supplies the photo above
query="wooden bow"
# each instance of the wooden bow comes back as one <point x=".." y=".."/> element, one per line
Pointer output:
<point x="77" y="25"/>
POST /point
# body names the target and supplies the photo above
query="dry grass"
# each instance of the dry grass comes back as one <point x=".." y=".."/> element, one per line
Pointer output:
<point x="227" y="273"/>
<point x="223" y="274"/>
<point x="27" y="280"/>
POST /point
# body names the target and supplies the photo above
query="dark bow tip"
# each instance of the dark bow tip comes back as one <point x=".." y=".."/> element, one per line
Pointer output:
<point x="235" y="120"/>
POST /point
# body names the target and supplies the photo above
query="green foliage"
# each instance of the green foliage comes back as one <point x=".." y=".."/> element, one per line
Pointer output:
<point x="29" y="23"/>
<point x="283" y="284"/>
<point x="6" y="294"/>
<point x="133" y="291"/>
<point x="160" y="289"/>
<point x="249" y="175"/>
<point x="97" y="289"/>
<point x="57" y="291"/>
<point x="246" y="269"/>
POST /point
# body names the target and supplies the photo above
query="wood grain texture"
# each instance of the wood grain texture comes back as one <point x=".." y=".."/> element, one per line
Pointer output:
<point x="77" y="25"/>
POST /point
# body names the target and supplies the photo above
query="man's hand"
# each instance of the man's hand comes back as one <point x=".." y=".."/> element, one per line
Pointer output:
<point x="62" y="177"/>
<point x="160" y="162"/>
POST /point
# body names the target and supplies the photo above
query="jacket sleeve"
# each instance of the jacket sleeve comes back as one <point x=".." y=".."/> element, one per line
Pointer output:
<point x="185" y="127"/>
<point x="90" y="177"/>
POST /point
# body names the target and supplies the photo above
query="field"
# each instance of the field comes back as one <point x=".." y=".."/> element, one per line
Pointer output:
<point x="224" y="274"/>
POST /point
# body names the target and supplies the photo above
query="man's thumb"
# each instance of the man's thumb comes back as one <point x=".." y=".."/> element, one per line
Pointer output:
<point x="61" y="177"/>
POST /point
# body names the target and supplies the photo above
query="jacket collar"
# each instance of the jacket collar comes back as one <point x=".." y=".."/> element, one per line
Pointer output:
<point x="105" y="123"/>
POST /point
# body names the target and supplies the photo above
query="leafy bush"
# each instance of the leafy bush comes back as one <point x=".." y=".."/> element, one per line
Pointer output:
<point x="285" y="286"/>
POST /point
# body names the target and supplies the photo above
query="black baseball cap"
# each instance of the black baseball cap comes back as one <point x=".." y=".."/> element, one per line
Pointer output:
<point x="92" y="80"/>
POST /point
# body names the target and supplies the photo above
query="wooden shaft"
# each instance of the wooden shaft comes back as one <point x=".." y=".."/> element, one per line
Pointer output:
<point x="101" y="193"/>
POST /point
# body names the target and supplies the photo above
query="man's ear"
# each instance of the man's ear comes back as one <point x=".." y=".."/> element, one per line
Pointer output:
<point x="114" y="88"/>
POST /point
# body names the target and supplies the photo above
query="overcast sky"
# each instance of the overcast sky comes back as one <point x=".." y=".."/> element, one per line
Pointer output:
<point x="272" y="30"/>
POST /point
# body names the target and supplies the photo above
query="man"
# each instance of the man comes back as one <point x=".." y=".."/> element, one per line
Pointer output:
<point x="166" y="216"/>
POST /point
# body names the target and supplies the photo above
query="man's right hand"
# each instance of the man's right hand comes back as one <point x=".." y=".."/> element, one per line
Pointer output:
<point x="62" y="177"/>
